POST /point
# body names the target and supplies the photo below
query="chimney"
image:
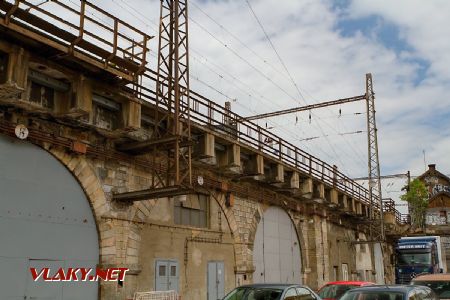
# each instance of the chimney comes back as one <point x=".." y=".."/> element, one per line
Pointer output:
<point x="432" y="167"/>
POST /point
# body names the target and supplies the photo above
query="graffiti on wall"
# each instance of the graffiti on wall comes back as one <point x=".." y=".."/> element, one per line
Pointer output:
<point x="439" y="188"/>
<point x="435" y="219"/>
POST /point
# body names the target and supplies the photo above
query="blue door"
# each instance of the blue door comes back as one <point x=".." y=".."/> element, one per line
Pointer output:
<point x="216" y="280"/>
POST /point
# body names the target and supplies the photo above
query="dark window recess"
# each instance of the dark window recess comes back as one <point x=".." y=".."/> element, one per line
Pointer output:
<point x="3" y="67"/>
<point x="162" y="271"/>
<point x="107" y="113"/>
<point x="73" y="100"/>
<point x="42" y="95"/>
<point x="147" y="122"/>
<point x="191" y="212"/>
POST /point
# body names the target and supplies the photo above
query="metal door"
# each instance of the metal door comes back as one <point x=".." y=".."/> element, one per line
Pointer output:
<point x="379" y="263"/>
<point x="166" y="275"/>
<point x="41" y="290"/>
<point x="216" y="280"/>
<point x="44" y="215"/>
<point x="345" y="272"/>
<point x="276" y="252"/>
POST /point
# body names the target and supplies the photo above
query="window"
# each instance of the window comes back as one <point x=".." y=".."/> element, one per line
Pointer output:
<point x="443" y="217"/>
<point x="42" y="95"/>
<point x="441" y="288"/>
<point x="191" y="210"/>
<point x="362" y="248"/>
<point x="291" y="294"/>
<point x="413" y="296"/>
<point x="3" y="67"/>
<point x="304" y="294"/>
<point x="106" y="113"/>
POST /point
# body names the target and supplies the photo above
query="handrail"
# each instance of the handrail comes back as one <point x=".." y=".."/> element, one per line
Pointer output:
<point x="122" y="47"/>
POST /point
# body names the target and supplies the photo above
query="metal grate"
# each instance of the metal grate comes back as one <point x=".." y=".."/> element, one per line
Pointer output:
<point x="156" y="295"/>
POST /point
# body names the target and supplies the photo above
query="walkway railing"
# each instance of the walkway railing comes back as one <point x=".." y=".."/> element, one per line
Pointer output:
<point x="84" y="27"/>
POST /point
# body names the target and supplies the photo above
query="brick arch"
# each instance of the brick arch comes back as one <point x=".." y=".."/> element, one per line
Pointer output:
<point x="232" y="224"/>
<point x="83" y="172"/>
<point x="301" y="239"/>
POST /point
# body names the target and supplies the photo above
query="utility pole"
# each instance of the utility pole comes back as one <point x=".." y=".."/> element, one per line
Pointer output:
<point x="377" y="226"/>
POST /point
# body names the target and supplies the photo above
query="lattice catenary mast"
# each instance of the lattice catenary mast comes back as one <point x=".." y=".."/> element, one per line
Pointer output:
<point x="376" y="230"/>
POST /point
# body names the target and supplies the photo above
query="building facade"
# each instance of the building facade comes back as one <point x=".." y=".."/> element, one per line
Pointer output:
<point x="69" y="126"/>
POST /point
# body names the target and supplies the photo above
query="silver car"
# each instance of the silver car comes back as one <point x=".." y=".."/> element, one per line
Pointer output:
<point x="267" y="291"/>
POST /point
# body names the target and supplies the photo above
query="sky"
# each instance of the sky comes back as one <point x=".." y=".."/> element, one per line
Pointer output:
<point x="321" y="51"/>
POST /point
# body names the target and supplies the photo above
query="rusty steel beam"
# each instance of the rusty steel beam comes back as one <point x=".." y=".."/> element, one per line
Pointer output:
<point x="152" y="193"/>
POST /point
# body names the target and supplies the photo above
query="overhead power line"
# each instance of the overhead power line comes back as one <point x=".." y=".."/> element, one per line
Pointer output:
<point x="275" y="50"/>
<point x="307" y="107"/>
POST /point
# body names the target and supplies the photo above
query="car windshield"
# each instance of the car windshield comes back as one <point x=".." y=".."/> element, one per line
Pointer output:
<point x="334" y="291"/>
<point x="441" y="288"/>
<point x="252" y="293"/>
<point x="414" y="258"/>
<point x="373" y="295"/>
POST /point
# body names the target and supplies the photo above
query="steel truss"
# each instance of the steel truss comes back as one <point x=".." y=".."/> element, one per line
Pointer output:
<point x="172" y="113"/>
<point x="377" y="225"/>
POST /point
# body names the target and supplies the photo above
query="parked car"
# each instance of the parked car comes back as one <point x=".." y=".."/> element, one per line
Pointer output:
<point x="334" y="290"/>
<point x="390" y="292"/>
<point x="266" y="291"/>
<point x="439" y="283"/>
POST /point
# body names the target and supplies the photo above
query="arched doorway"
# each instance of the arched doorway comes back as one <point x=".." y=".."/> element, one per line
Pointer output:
<point x="276" y="252"/>
<point x="45" y="222"/>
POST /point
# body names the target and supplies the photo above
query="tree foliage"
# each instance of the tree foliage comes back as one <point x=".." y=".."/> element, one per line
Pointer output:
<point x="417" y="197"/>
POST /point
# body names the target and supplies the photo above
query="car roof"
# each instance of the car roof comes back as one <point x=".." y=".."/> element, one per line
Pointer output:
<point x="385" y="288"/>
<point x="271" y="285"/>
<point x="349" y="282"/>
<point x="433" y="277"/>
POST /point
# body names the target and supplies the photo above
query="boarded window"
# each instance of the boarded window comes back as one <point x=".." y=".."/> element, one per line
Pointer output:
<point x="42" y="95"/>
<point x="106" y="113"/>
<point x="191" y="210"/>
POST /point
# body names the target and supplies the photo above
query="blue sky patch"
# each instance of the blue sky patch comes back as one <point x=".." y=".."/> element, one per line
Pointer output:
<point x="376" y="28"/>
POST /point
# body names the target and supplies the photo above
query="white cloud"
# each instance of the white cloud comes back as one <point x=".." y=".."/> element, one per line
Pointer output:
<point x="327" y="66"/>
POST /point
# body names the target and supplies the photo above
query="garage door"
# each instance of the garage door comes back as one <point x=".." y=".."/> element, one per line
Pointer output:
<point x="45" y="222"/>
<point x="276" y="252"/>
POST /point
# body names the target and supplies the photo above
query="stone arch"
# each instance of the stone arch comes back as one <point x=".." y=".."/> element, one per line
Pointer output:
<point x="232" y="223"/>
<point x="84" y="173"/>
<point x="297" y="221"/>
